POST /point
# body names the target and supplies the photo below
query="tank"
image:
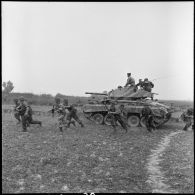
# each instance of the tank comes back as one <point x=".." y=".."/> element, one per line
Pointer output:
<point x="133" y="100"/>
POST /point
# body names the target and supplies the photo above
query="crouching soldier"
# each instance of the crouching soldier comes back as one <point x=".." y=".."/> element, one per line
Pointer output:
<point x="118" y="115"/>
<point x="16" y="112"/>
<point x="148" y="115"/>
<point x="72" y="114"/>
<point x="188" y="118"/>
<point x="26" y="114"/>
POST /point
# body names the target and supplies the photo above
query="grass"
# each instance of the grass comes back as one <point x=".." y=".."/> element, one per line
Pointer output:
<point x="88" y="159"/>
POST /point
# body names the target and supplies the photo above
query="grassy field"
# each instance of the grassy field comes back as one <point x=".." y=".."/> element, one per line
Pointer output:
<point x="89" y="159"/>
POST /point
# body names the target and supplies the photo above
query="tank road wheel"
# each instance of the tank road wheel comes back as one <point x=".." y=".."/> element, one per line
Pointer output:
<point x="143" y="122"/>
<point x="133" y="121"/>
<point x="108" y="119"/>
<point x="98" y="118"/>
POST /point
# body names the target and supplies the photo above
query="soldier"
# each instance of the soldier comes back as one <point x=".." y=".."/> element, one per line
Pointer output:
<point x="16" y="112"/>
<point x="61" y="110"/>
<point x="147" y="85"/>
<point x="26" y="114"/>
<point x="73" y="114"/>
<point x="118" y="115"/>
<point x="140" y="84"/>
<point x="130" y="80"/>
<point x="188" y="118"/>
<point x="148" y="114"/>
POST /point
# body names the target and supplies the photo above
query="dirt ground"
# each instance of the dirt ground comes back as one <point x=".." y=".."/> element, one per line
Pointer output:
<point x="90" y="159"/>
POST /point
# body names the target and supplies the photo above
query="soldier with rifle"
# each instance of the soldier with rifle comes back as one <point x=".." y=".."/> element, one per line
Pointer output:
<point x="148" y="115"/>
<point x="72" y="115"/>
<point x="16" y="112"/>
<point x="188" y="118"/>
<point x="61" y="110"/>
<point x="25" y="112"/>
<point x="118" y="115"/>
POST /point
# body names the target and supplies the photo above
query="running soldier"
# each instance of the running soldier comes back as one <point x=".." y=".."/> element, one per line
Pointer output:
<point x="25" y="111"/>
<point x="188" y="118"/>
<point x="119" y="115"/>
<point x="72" y="115"/>
<point x="148" y="115"/>
<point x="16" y="112"/>
<point x="61" y="110"/>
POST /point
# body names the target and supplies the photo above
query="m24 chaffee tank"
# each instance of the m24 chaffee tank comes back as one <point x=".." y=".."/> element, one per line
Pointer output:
<point x="133" y="100"/>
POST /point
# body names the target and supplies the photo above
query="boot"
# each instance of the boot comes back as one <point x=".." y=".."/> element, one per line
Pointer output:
<point x="40" y="124"/>
<point x="73" y="122"/>
<point x="60" y="129"/>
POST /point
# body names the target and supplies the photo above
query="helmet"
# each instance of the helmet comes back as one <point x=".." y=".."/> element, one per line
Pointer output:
<point x="22" y="98"/>
<point x="15" y="100"/>
<point x="146" y="79"/>
<point x="57" y="100"/>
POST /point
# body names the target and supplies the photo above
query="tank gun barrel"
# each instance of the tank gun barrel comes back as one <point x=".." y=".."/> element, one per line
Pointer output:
<point x="94" y="93"/>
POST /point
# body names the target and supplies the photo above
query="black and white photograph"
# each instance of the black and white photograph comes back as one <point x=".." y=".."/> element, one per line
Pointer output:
<point x="97" y="97"/>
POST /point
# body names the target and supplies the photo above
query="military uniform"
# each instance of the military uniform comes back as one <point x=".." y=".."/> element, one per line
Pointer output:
<point x="16" y="112"/>
<point x="148" y="115"/>
<point x="25" y="112"/>
<point x="118" y="115"/>
<point x="62" y="114"/>
<point x="140" y="84"/>
<point x="147" y="85"/>
<point x="130" y="81"/>
<point x="73" y="115"/>
<point x="188" y="118"/>
<point x="29" y="118"/>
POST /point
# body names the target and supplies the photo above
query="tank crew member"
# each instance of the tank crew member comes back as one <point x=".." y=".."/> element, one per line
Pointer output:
<point x="130" y="80"/>
<point x="188" y="118"/>
<point x="73" y="115"/>
<point x="140" y="84"/>
<point x="147" y="85"/>
<point x="118" y="115"/>
<point x="16" y="112"/>
<point x="148" y="115"/>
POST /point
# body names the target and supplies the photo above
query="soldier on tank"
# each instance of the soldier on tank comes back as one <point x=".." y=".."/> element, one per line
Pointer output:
<point x="147" y="85"/>
<point x="130" y="80"/>
<point x="140" y="84"/>
<point x="16" y="112"/>
<point x="73" y="115"/>
<point x="148" y="115"/>
<point x="188" y="118"/>
<point x="118" y="115"/>
<point x="25" y="112"/>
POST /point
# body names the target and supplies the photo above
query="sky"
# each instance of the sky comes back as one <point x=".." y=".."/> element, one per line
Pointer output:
<point x="76" y="47"/>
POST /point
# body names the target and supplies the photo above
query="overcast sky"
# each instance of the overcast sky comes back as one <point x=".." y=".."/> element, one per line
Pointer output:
<point x="71" y="48"/>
